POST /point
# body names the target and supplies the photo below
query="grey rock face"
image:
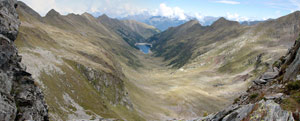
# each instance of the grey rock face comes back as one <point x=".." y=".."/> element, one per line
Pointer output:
<point x="223" y="113"/>
<point x="232" y="113"/>
<point x="294" y="68"/>
<point x="270" y="111"/>
<point x="239" y="114"/>
<point x="261" y="111"/>
<point x="269" y="75"/>
<point x="260" y="81"/>
<point x="266" y="77"/>
<point x="274" y="112"/>
<point x="20" y="98"/>
<point x="275" y="96"/>
<point x="9" y="23"/>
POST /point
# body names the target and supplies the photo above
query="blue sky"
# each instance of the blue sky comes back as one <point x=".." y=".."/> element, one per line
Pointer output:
<point x="232" y="9"/>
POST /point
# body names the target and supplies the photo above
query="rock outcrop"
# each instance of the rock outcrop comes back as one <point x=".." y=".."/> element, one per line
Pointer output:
<point x="261" y="111"/>
<point x="111" y="87"/>
<point x="20" y="98"/>
<point x="292" y="62"/>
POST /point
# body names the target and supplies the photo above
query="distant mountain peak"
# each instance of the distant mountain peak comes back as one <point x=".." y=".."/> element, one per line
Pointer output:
<point x="221" y="20"/>
<point x="294" y="14"/>
<point x="138" y="23"/>
<point x="29" y="10"/>
<point x="190" y="24"/>
<point x="86" y="14"/>
<point x="52" y="12"/>
<point x="224" y="22"/>
<point x="193" y="22"/>
<point x="103" y="16"/>
<point x="292" y="17"/>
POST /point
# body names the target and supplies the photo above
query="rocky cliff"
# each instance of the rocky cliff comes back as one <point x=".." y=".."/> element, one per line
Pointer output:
<point x="20" y="98"/>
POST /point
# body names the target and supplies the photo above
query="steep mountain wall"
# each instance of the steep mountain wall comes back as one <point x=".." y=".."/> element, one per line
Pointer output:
<point x="20" y="98"/>
<point x="143" y="29"/>
<point x="130" y="36"/>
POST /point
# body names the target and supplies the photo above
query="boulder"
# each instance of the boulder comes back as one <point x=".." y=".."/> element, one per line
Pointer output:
<point x="260" y="111"/>
<point x="259" y="81"/>
<point x="270" y="111"/>
<point x="274" y="96"/>
<point x="269" y="75"/>
<point x="239" y="114"/>
<point x="293" y="63"/>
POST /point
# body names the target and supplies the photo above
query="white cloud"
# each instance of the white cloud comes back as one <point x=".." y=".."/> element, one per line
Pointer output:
<point x="41" y="6"/>
<point x="236" y="17"/>
<point x="167" y="11"/>
<point x="228" y="2"/>
<point x="265" y="18"/>
<point x="117" y="8"/>
<point x="199" y="16"/>
<point x="44" y="6"/>
<point x="114" y="8"/>
<point x="296" y="3"/>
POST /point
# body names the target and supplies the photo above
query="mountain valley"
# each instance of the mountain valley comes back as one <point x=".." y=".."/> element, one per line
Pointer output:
<point x="91" y="69"/>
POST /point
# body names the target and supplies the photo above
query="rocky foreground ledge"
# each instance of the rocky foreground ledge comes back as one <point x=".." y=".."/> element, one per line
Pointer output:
<point x="20" y="98"/>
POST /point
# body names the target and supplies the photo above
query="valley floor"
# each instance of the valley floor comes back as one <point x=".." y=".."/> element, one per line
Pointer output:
<point x="179" y="93"/>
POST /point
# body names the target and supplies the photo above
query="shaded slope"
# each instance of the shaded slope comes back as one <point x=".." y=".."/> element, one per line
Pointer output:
<point x="178" y="44"/>
<point x="84" y="24"/>
<point x="130" y="36"/>
<point x="29" y="10"/>
<point x="143" y="29"/>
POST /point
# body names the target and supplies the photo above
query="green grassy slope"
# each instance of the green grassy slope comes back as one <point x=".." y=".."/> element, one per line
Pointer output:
<point x="195" y="40"/>
<point x="76" y="61"/>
